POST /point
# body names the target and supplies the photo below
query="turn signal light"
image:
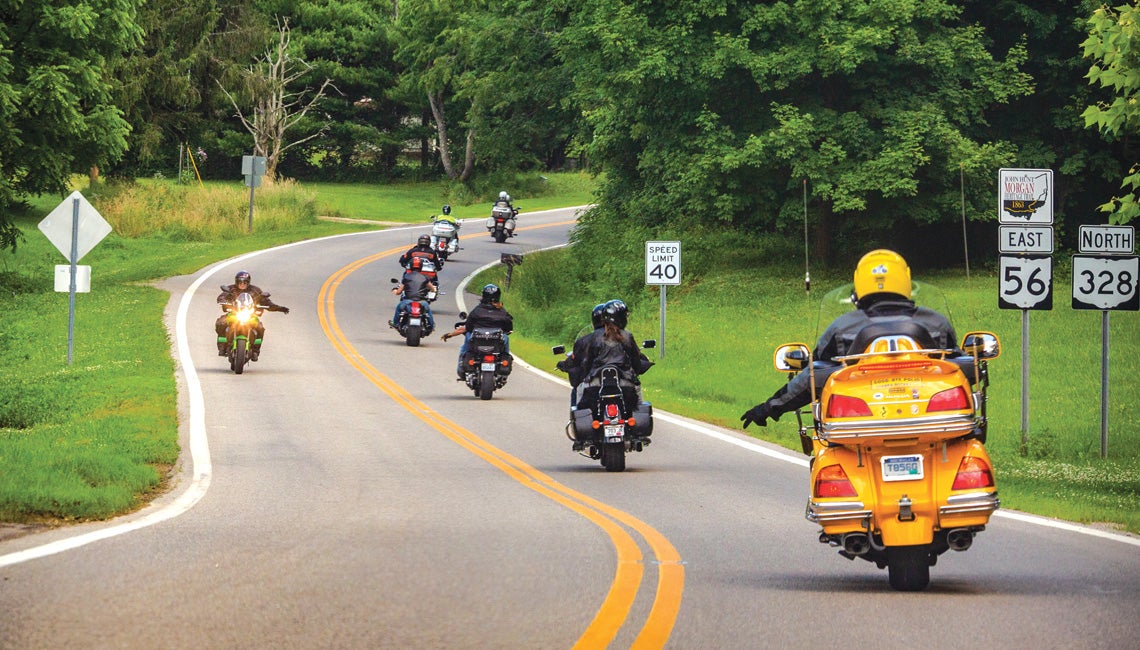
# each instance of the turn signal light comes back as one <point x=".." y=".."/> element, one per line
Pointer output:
<point x="842" y="406"/>
<point x="951" y="399"/>
<point x="832" y="481"/>
<point x="973" y="473"/>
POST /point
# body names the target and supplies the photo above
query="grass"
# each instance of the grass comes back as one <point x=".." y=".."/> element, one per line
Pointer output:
<point x="95" y="438"/>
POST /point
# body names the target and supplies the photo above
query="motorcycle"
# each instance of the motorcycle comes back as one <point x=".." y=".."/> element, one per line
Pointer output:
<point x="896" y="435"/>
<point x="486" y="364"/>
<point x="241" y="326"/>
<point x="616" y="421"/>
<point x="414" y="323"/>
<point x="444" y="236"/>
<point x="501" y="223"/>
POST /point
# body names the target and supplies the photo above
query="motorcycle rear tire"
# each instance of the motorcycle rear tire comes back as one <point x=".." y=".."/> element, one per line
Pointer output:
<point x="486" y="384"/>
<point x="613" y="456"/>
<point x="908" y="567"/>
<point x="240" y="357"/>
<point x="500" y="236"/>
<point x="413" y="336"/>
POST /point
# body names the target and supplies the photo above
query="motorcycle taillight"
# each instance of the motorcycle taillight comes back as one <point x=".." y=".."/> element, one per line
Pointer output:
<point x="973" y="473"/>
<point x="951" y="399"/>
<point x="415" y="309"/>
<point x="611" y="410"/>
<point x="842" y="406"/>
<point x="489" y="358"/>
<point x="832" y="481"/>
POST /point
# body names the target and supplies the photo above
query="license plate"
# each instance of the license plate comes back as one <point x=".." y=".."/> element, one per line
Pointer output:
<point x="902" y="468"/>
<point x="614" y="432"/>
<point x="487" y="366"/>
<point x="413" y="321"/>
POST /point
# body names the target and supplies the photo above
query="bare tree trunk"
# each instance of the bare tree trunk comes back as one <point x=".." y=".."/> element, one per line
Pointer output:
<point x="436" y="103"/>
<point x="469" y="158"/>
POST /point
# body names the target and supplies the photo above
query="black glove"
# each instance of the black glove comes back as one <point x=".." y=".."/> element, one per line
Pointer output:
<point x="284" y="310"/>
<point x="759" y="414"/>
<point x="561" y="365"/>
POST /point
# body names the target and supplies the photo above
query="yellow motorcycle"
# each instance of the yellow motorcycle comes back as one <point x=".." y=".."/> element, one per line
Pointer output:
<point x="899" y="469"/>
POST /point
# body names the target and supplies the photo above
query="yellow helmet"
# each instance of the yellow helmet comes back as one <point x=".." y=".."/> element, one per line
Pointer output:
<point x="882" y="271"/>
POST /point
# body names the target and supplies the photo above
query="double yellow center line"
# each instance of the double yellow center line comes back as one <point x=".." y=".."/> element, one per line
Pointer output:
<point x="630" y="565"/>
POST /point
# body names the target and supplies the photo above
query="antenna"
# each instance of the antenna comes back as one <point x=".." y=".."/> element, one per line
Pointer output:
<point x="807" y="268"/>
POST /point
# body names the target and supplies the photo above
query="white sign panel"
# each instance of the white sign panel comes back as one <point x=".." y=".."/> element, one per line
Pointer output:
<point x="1106" y="283"/>
<point x="1025" y="196"/>
<point x="1107" y="240"/>
<point x="58" y="226"/>
<point x="1026" y="283"/>
<point x="662" y="262"/>
<point x="1025" y="239"/>
<point x="63" y="278"/>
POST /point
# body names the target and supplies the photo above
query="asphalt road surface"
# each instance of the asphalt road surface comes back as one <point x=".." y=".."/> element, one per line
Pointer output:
<point x="347" y="492"/>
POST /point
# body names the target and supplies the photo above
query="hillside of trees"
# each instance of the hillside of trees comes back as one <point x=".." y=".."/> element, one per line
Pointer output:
<point x="880" y="120"/>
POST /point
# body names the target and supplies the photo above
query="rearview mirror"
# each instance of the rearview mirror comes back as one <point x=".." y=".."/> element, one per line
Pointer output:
<point x="982" y="345"/>
<point x="558" y="349"/>
<point x="648" y="344"/>
<point x="791" y="357"/>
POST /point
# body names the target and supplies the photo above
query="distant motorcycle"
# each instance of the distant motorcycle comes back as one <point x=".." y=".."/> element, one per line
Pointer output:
<point x="615" y="421"/>
<point x="501" y="223"/>
<point x="444" y="236"/>
<point x="414" y="323"/>
<point x="486" y="364"/>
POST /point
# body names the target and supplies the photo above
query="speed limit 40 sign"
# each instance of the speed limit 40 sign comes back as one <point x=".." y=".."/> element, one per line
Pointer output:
<point x="663" y="262"/>
<point x="1106" y="283"/>
<point x="1026" y="283"/>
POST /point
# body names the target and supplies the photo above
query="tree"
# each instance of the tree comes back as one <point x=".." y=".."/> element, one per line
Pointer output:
<point x="720" y="110"/>
<point x="1114" y="45"/>
<point x="57" y="116"/>
<point x="277" y="108"/>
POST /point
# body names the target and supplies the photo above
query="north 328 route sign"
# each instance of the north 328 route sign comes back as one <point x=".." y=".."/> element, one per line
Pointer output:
<point x="1106" y="283"/>
<point x="1026" y="283"/>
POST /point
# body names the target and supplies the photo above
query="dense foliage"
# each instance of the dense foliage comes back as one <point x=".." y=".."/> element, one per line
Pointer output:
<point x="877" y="121"/>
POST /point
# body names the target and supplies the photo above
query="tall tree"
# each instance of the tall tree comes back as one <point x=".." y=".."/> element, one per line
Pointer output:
<point x="719" y="110"/>
<point x="57" y="116"/>
<point x="1114" y="46"/>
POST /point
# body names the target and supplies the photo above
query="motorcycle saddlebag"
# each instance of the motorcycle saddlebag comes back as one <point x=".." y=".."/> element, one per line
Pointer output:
<point x="643" y="416"/>
<point x="583" y="423"/>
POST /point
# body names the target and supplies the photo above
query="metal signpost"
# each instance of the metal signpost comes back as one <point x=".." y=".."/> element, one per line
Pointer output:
<point x="1106" y="276"/>
<point x="253" y="168"/>
<point x="662" y="268"/>
<point x="74" y="227"/>
<point x="1025" y="212"/>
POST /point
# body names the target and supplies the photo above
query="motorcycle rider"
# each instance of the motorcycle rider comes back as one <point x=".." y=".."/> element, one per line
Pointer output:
<point x="242" y="284"/>
<point x="882" y="295"/>
<point x="570" y="365"/>
<point x="451" y="220"/>
<point x="413" y="286"/>
<point x="505" y="199"/>
<point x="423" y="250"/>
<point x="488" y="313"/>
<point x="610" y="345"/>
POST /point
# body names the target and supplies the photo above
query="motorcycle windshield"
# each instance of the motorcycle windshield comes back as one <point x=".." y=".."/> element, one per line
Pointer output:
<point x="840" y="300"/>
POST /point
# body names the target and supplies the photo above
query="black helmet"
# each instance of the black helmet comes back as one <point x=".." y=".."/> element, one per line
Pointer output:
<point x="424" y="240"/>
<point x="616" y="312"/>
<point x="446" y="209"/>
<point x="596" y="315"/>
<point x="242" y="276"/>
<point x="491" y="293"/>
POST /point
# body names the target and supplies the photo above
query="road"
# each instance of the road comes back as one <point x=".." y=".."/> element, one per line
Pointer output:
<point x="347" y="492"/>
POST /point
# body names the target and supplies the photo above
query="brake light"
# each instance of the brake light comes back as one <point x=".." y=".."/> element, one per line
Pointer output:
<point x="415" y="309"/>
<point x="832" y="481"/>
<point x="611" y="410"/>
<point x="490" y="358"/>
<point x="951" y="399"/>
<point x="842" y="406"/>
<point x="973" y="473"/>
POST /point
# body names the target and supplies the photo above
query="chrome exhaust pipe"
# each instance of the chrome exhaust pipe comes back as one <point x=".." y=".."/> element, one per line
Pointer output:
<point x="856" y="543"/>
<point x="960" y="539"/>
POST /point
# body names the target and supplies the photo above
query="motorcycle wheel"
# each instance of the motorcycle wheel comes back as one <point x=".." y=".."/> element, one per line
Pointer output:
<point x="486" y="384"/>
<point x="613" y="456"/>
<point x="413" y="336"/>
<point x="238" y="363"/>
<point x="500" y="236"/>
<point x="908" y="567"/>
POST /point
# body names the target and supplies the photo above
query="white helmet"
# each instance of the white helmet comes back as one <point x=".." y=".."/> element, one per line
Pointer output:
<point x="503" y="196"/>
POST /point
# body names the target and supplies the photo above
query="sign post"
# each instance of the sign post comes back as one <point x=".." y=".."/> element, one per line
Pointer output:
<point x="662" y="267"/>
<point x="74" y="227"/>
<point x="253" y="168"/>
<point x="1025" y="203"/>
<point x="1108" y="278"/>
